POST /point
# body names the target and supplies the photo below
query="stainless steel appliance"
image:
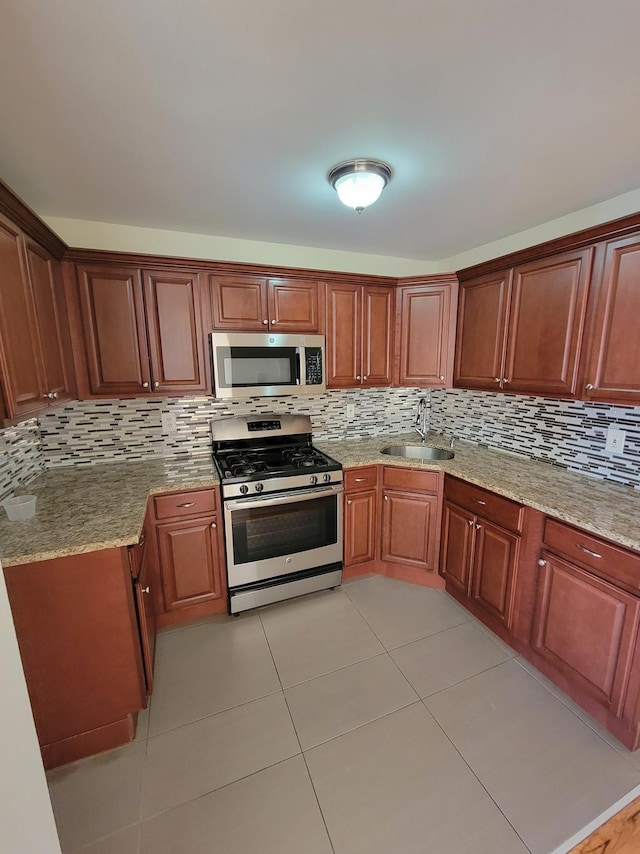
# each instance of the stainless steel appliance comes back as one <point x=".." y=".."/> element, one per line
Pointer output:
<point x="282" y="509"/>
<point x="251" y="364"/>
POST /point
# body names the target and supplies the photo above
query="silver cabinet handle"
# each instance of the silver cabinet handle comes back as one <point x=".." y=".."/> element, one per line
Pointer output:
<point x="213" y="525"/>
<point x="441" y="379"/>
<point x="386" y="498"/>
<point x="145" y="589"/>
<point x="187" y="504"/>
<point x="542" y="562"/>
<point x="361" y="479"/>
<point x="156" y="384"/>
<point x="47" y="395"/>
<point x="358" y="377"/>
<point x="587" y="551"/>
<point x="478" y="526"/>
<point x="505" y="379"/>
<point x="496" y="379"/>
<point x="365" y="378"/>
<point x="589" y="386"/>
<point x="480" y="501"/>
<point x="265" y="322"/>
<point x="53" y="395"/>
<point x="469" y="521"/>
<point x="349" y="501"/>
<point x="145" y="385"/>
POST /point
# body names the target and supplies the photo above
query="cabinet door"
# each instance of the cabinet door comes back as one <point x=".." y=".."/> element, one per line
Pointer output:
<point x="493" y="572"/>
<point x="174" y="322"/>
<point x="408" y="529"/>
<point x="481" y="337"/>
<point x="613" y="372"/>
<point x="239" y="302"/>
<point x="190" y="564"/>
<point x="293" y="305"/>
<point x="45" y="281"/>
<point x="586" y="630"/>
<point x="377" y="332"/>
<point x="457" y="546"/>
<point x="425" y="341"/>
<point x="344" y="335"/>
<point x="146" y="618"/>
<point x="114" y="329"/>
<point x="360" y="527"/>
<point x="546" y="321"/>
<point x="21" y="365"/>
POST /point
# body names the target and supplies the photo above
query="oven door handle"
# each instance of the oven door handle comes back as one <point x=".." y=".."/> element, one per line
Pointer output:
<point x="285" y="498"/>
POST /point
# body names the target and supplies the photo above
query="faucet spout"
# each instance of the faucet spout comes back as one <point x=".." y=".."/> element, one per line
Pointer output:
<point x="420" y="423"/>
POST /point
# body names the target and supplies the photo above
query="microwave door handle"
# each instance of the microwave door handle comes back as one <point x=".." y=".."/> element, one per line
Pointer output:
<point x="289" y="498"/>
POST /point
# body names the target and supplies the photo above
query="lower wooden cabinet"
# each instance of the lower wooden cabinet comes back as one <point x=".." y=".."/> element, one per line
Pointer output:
<point x="480" y="555"/>
<point x="408" y="522"/>
<point x="191" y="563"/>
<point x="360" y="516"/>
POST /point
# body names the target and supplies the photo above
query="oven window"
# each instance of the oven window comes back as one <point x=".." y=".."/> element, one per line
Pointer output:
<point x="240" y="367"/>
<point x="267" y="532"/>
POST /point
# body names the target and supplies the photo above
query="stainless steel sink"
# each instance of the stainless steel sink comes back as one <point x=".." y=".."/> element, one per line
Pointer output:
<point x="418" y="452"/>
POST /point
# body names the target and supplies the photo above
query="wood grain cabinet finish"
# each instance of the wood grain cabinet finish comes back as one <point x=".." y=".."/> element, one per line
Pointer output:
<point x="144" y="577"/>
<point x="426" y="319"/>
<point x="143" y="331"/>
<point x="79" y="641"/>
<point x="613" y="363"/>
<point x="191" y="560"/>
<point x="359" y="335"/>
<point x="480" y="550"/>
<point x="253" y="303"/>
<point x="521" y="330"/>
<point x="410" y="518"/>
<point x="32" y="362"/>
<point x="360" y="516"/>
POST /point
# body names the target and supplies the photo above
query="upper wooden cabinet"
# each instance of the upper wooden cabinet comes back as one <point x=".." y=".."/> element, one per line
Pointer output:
<point x="32" y="363"/>
<point x="426" y="318"/>
<point x="521" y="330"/>
<point x="143" y="331"/>
<point x="254" y="303"/>
<point x="613" y="361"/>
<point x="359" y="335"/>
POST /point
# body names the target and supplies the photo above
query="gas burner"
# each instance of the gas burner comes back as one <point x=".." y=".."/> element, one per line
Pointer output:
<point x="252" y="467"/>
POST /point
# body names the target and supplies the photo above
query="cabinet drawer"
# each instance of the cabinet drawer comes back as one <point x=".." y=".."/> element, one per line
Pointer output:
<point x="603" y="558"/>
<point x="185" y="503"/>
<point x="414" y="481"/>
<point x="494" y="507"/>
<point x="358" y="479"/>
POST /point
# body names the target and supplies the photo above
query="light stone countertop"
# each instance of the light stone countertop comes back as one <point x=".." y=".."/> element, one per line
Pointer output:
<point x="86" y="508"/>
<point x="599" y="506"/>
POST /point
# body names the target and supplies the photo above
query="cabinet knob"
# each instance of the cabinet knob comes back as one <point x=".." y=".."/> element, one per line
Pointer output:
<point x="542" y="562"/>
<point x="478" y="526"/>
<point x="47" y="395"/>
<point x="265" y="322"/>
<point x="156" y="384"/>
<point x="505" y="379"/>
<point x="441" y="379"/>
<point x="53" y="395"/>
<point x="145" y="589"/>
<point x="358" y="377"/>
<point x="496" y="379"/>
<point x="589" y="386"/>
<point x="469" y="521"/>
<point x="145" y="385"/>
<point x="386" y="498"/>
<point x="364" y="379"/>
<point x="213" y="525"/>
<point x="349" y="501"/>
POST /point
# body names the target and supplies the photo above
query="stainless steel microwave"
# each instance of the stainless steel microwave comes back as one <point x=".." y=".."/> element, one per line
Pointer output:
<point x="256" y="364"/>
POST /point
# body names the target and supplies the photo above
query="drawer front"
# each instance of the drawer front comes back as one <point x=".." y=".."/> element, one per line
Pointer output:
<point x="502" y="511"/>
<point x="414" y="481"/>
<point x="185" y="503"/>
<point x="605" y="559"/>
<point x="359" y="479"/>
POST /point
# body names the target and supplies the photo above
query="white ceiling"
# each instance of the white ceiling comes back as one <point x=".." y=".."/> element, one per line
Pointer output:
<point x="223" y="117"/>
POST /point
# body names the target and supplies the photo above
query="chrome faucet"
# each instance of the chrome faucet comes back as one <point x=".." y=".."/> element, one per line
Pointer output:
<point x="421" y="418"/>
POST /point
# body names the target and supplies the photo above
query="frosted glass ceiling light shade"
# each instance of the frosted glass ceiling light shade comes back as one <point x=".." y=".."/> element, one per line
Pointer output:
<point x="359" y="183"/>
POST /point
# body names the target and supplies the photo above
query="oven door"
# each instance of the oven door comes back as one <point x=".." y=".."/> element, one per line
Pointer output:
<point x="282" y="534"/>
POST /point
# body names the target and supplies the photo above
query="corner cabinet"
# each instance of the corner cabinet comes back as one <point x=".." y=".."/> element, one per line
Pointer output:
<point x="359" y="326"/>
<point x="33" y="370"/>
<point x="425" y="329"/>
<point x="521" y="330"/>
<point x="361" y="518"/>
<point x="254" y="303"/>
<point x="190" y="556"/>
<point x="142" y="331"/>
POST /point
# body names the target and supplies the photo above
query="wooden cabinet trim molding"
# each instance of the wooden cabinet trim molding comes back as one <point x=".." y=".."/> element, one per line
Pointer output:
<point x="28" y="220"/>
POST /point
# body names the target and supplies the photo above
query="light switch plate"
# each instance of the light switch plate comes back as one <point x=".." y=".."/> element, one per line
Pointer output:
<point x="615" y="441"/>
<point x="169" y="422"/>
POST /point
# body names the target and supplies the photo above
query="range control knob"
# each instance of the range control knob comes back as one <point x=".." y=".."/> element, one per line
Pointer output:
<point x="259" y="487"/>
<point x="326" y="478"/>
<point x="244" y="489"/>
<point x="313" y="479"/>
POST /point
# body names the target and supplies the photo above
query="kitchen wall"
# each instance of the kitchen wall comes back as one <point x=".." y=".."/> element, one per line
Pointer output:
<point x="21" y="456"/>
<point x="567" y="433"/>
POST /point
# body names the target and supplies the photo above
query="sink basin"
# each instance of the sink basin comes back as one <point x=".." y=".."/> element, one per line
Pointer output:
<point x="418" y="452"/>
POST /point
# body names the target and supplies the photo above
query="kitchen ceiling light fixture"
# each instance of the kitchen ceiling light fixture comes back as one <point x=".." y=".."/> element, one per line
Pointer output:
<point x="359" y="183"/>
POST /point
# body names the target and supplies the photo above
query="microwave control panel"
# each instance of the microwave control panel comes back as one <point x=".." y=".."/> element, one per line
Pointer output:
<point x="313" y="365"/>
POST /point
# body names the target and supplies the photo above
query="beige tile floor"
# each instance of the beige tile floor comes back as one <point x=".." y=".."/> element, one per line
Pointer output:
<point x="376" y="718"/>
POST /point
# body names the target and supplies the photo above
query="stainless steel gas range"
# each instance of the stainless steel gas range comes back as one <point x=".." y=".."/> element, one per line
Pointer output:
<point x="282" y="509"/>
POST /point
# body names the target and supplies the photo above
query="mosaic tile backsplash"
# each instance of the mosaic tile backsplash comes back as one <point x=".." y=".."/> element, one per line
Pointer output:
<point x="567" y="433"/>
